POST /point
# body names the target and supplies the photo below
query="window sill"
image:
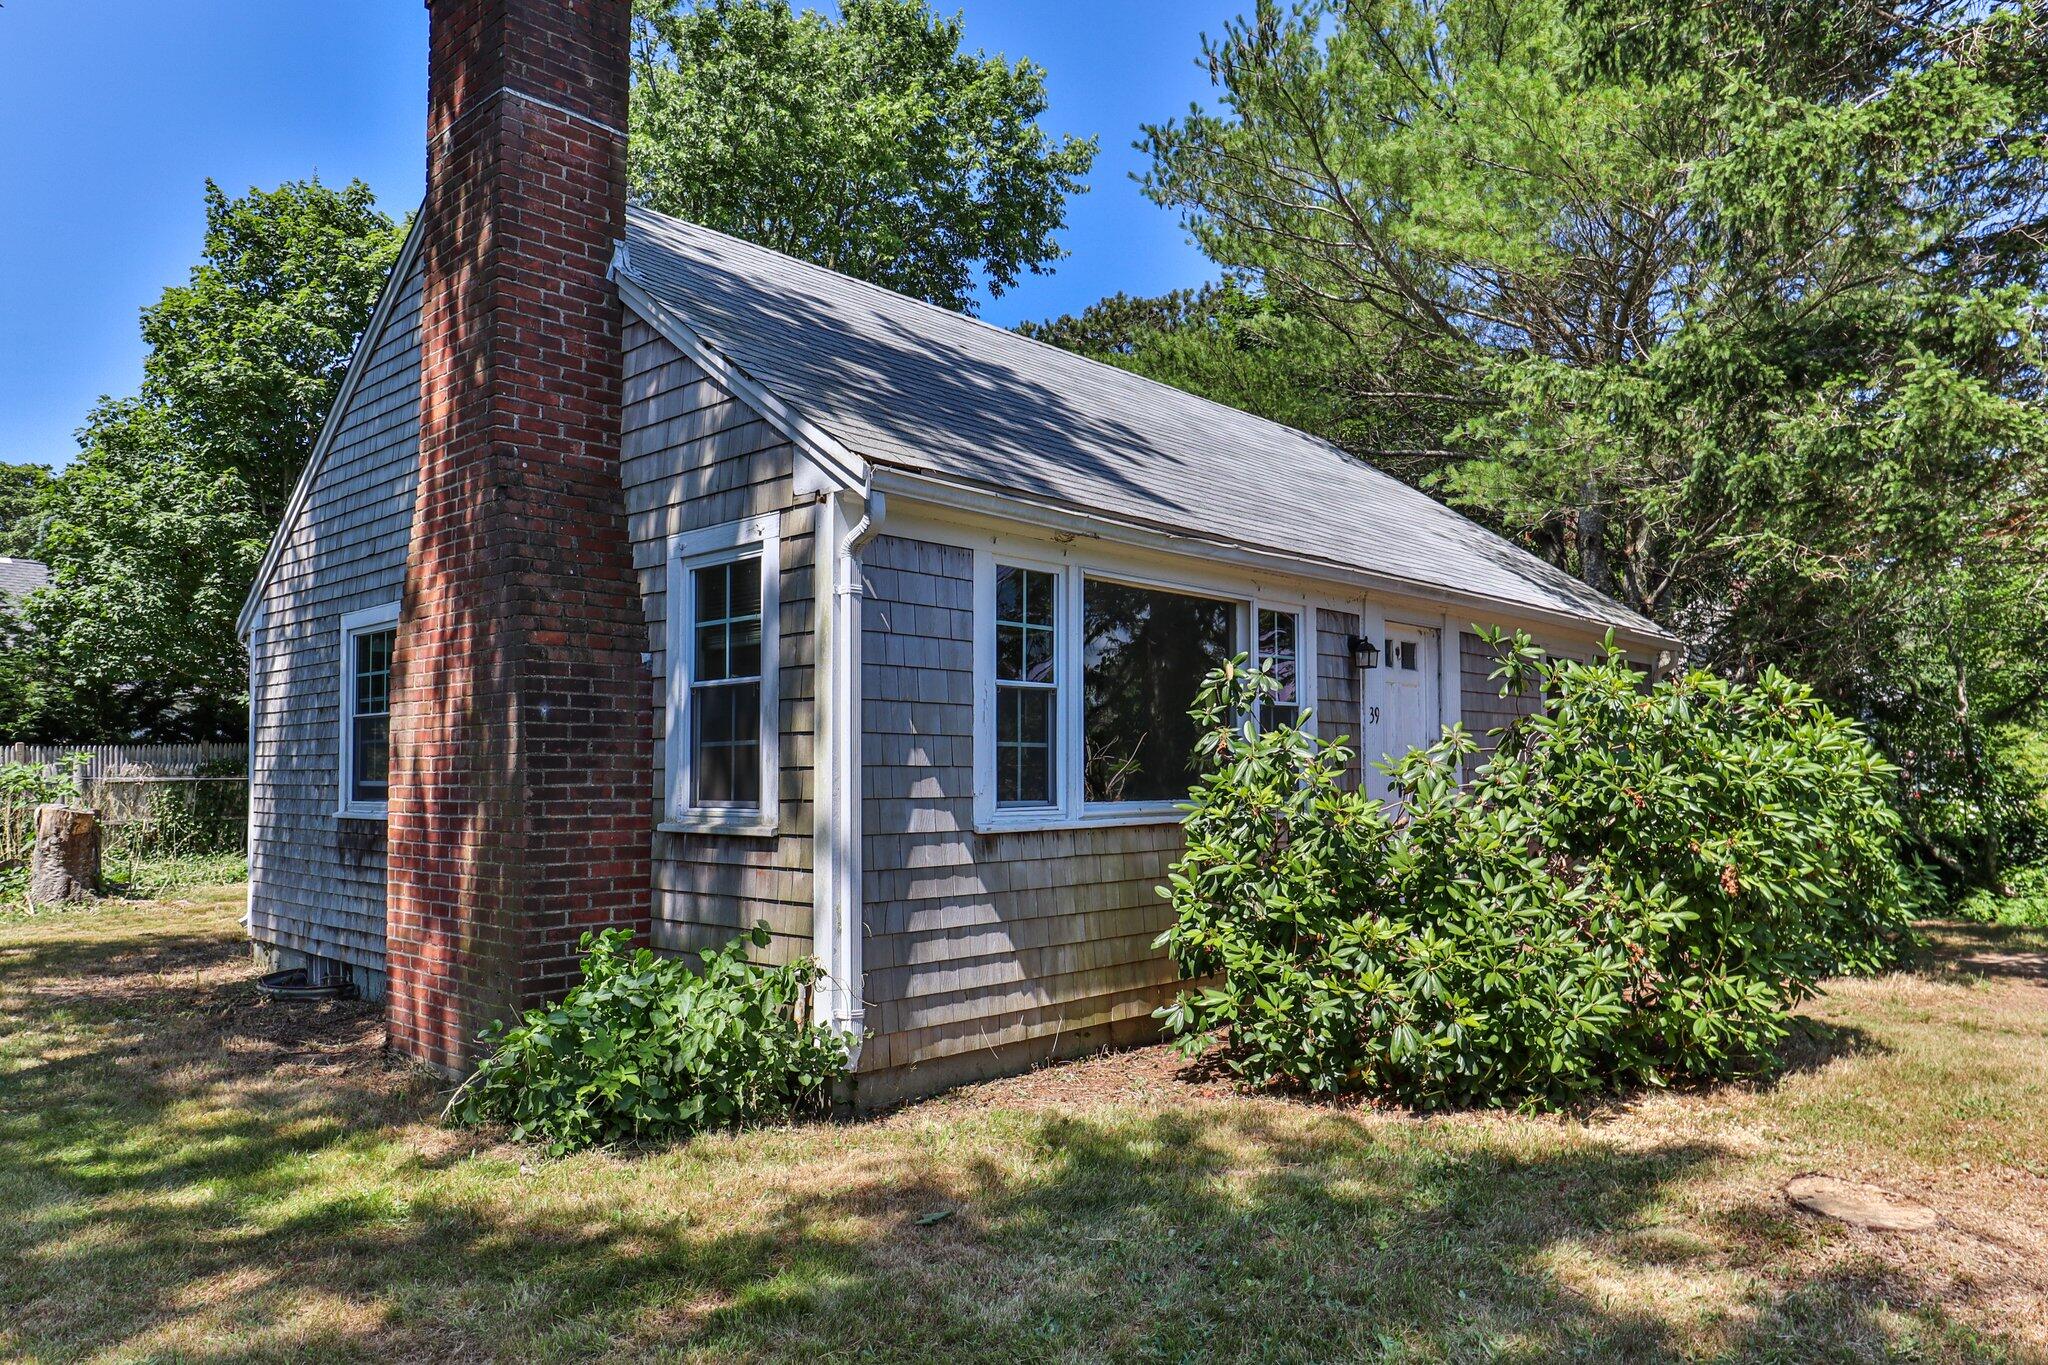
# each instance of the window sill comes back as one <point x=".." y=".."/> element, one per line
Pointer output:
<point x="1111" y="817"/>
<point x="377" y="813"/>
<point x="748" y="827"/>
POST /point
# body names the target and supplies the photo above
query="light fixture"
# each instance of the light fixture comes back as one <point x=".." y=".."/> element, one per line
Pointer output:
<point x="1364" y="652"/>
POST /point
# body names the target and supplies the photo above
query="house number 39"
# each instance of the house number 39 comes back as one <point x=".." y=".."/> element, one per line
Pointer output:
<point x="1375" y="720"/>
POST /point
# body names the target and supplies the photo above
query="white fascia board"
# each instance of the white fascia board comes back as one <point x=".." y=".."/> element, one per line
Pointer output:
<point x="380" y="318"/>
<point x="840" y="467"/>
<point x="996" y="508"/>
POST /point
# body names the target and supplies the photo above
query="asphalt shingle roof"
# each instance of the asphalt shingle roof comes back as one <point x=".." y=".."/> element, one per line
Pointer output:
<point x="20" y="577"/>
<point x="905" y="384"/>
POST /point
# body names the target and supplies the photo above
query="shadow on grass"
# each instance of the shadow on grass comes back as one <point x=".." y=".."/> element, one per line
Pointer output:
<point x="1815" y="1044"/>
<point x="167" y="1191"/>
<point x="1988" y="950"/>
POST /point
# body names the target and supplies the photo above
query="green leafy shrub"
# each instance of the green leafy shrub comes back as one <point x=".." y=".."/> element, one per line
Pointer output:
<point x="646" y="1049"/>
<point x="1637" y="887"/>
<point x="188" y="820"/>
<point x="2021" y="903"/>
<point x="23" y="787"/>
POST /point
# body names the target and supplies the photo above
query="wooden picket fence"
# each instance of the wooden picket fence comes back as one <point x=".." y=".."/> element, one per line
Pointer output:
<point x="132" y="760"/>
<point x="132" y="786"/>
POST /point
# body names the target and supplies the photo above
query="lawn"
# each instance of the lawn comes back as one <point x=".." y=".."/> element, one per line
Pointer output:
<point x="186" y="1172"/>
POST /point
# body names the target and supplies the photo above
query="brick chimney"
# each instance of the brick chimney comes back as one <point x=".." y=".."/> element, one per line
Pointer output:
<point x="522" y="725"/>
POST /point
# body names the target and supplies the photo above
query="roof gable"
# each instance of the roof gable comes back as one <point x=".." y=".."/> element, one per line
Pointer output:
<point x="366" y="347"/>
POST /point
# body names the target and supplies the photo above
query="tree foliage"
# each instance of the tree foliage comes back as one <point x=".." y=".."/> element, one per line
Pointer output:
<point x="20" y="486"/>
<point x="1736" y="310"/>
<point x="154" y="532"/>
<point x="870" y="144"/>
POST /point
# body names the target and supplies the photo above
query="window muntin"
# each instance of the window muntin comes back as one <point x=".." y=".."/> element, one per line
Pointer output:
<point x="725" y="684"/>
<point x="369" y="722"/>
<point x="363" y="666"/>
<point x="1279" y="645"/>
<point x="1027" y="687"/>
<point x="723" y="744"/>
<point x="1403" y="655"/>
<point x="1145" y="652"/>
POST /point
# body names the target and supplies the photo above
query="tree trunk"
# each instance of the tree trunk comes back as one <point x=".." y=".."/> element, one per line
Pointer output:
<point x="1987" y="869"/>
<point x="1592" y="536"/>
<point x="66" y="862"/>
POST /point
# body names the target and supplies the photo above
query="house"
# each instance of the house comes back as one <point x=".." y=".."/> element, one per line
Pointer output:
<point x="645" y="577"/>
<point x="19" y="578"/>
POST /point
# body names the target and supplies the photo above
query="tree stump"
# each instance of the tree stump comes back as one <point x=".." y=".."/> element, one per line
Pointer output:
<point x="66" y="862"/>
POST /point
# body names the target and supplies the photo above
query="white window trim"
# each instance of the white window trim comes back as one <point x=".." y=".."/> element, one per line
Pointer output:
<point x="1070" y="808"/>
<point x="1308" y="646"/>
<point x="364" y="622"/>
<point x="755" y="537"/>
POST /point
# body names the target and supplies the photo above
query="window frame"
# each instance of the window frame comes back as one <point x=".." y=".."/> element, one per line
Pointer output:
<point x="757" y="538"/>
<point x="355" y="624"/>
<point x="1056" y="758"/>
<point x="1308" y="663"/>
<point x="1071" y="575"/>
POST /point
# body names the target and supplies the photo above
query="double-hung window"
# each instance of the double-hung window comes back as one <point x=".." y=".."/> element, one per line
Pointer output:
<point x="369" y="640"/>
<point x="1027" y="687"/>
<point x="1278" y="636"/>
<point x="722" y="705"/>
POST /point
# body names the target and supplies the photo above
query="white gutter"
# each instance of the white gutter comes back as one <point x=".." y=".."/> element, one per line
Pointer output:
<point x="846" y="523"/>
<point x="977" y="501"/>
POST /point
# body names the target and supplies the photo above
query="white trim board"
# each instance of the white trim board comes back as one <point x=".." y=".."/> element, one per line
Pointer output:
<point x="974" y="507"/>
<point x="383" y="616"/>
<point x="757" y="538"/>
<point x="366" y="345"/>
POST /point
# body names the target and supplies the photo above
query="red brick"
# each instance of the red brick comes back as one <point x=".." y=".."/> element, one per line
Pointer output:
<point x="521" y="599"/>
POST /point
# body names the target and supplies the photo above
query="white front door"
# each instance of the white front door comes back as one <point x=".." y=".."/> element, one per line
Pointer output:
<point x="1410" y="717"/>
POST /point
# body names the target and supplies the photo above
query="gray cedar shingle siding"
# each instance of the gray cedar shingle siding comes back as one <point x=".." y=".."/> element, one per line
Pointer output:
<point x="980" y="940"/>
<point x="317" y="881"/>
<point x="1337" y="687"/>
<point x="692" y="457"/>
<point x="1485" y="709"/>
<point x="695" y="456"/>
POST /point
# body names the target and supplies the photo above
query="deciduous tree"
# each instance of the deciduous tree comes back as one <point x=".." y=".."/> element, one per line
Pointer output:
<point x="154" y="532"/>
<point x="870" y="144"/>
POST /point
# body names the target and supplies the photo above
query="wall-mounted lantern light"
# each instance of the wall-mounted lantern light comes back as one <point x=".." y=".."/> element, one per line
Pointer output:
<point x="1364" y="652"/>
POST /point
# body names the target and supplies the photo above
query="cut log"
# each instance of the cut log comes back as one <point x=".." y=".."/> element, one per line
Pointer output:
<point x="66" y="862"/>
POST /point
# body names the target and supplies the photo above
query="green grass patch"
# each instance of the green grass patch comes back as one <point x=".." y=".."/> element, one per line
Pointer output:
<point x="187" y="1172"/>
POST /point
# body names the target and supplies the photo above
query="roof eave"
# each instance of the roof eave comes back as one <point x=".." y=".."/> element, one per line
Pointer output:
<point x="839" y="466"/>
<point x="958" y="496"/>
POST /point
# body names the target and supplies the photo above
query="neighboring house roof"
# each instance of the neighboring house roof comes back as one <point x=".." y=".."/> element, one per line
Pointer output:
<point x="910" y="385"/>
<point x="20" y="577"/>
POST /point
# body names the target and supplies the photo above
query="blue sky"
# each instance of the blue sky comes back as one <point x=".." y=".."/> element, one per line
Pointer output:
<point x="115" y="112"/>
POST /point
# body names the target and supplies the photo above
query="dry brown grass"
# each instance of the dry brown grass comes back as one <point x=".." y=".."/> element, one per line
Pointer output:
<point x="186" y="1172"/>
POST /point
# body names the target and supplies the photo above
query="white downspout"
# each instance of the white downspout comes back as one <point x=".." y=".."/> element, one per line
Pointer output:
<point x="837" y="899"/>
